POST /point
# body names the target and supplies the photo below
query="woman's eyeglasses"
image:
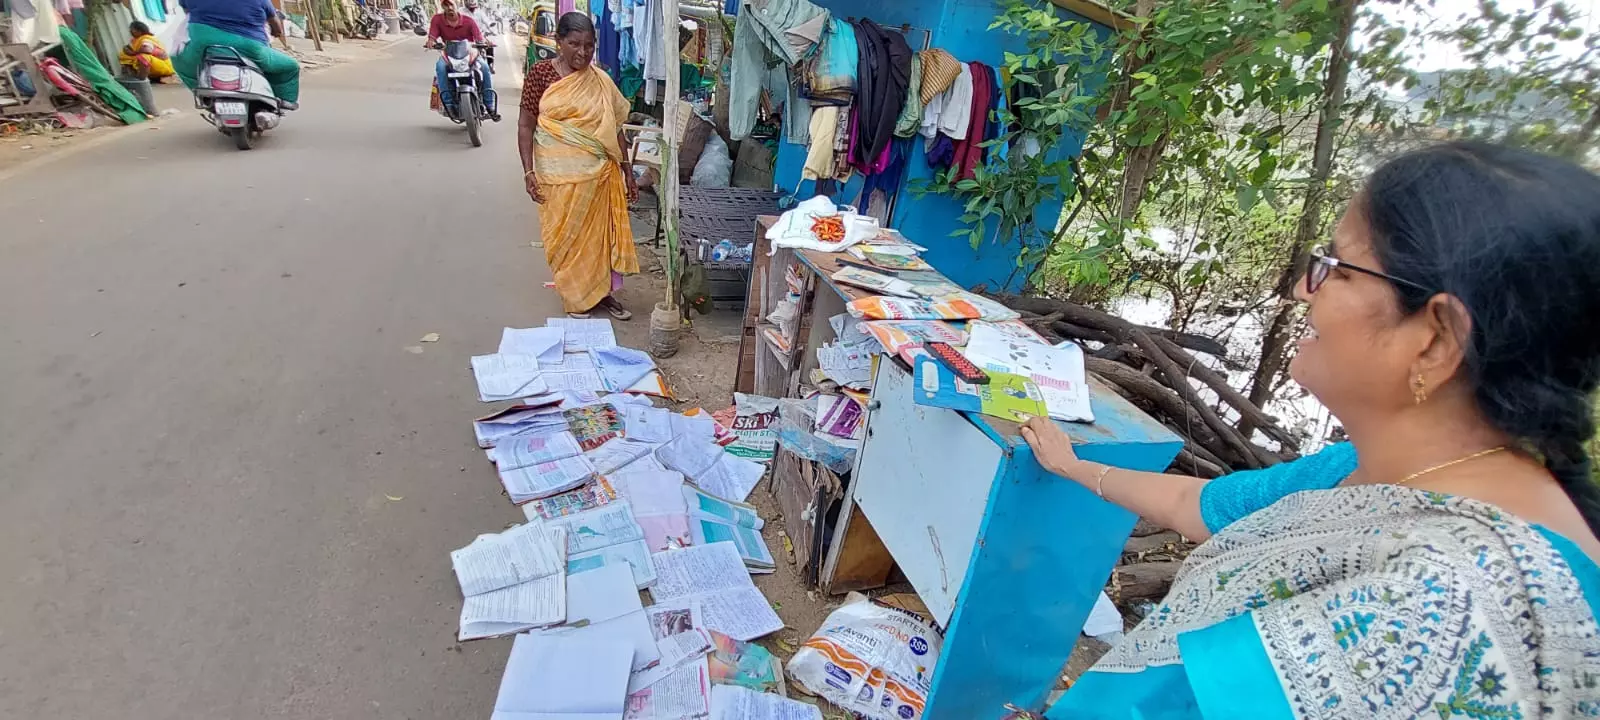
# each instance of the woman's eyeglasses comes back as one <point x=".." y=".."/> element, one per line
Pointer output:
<point x="1322" y="263"/>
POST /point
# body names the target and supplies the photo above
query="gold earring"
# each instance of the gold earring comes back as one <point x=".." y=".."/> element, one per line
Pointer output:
<point x="1419" y="389"/>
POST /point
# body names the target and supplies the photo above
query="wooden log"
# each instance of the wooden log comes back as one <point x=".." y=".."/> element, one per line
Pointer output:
<point x="1143" y="581"/>
<point x="1191" y="463"/>
<point x="1165" y="401"/>
<point x="1250" y="415"/>
<point x="1079" y="332"/>
<point x="1090" y="318"/>
<point x="1254" y="454"/>
<point x="1148" y="543"/>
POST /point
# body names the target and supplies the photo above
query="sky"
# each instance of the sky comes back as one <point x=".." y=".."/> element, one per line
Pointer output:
<point x="1442" y="56"/>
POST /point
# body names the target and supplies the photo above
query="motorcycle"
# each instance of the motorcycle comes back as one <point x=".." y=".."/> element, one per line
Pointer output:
<point x="368" y="24"/>
<point x="460" y="57"/>
<point x="411" y="19"/>
<point x="233" y="95"/>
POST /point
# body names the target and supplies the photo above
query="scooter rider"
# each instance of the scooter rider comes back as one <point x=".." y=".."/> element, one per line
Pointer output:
<point x="450" y="26"/>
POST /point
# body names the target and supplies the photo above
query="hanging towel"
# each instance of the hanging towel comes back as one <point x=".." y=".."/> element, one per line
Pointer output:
<point x="950" y="112"/>
<point x="969" y="151"/>
<point x="911" y="115"/>
<point x="884" y="70"/>
<point x="819" y="155"/>
<point x="828" y="77"/>
<point x="939" y="70"/>
<point x="760" y="39"/>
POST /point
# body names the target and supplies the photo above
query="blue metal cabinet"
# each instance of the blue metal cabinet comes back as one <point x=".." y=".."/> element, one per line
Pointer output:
<point x="1007" y="557"/>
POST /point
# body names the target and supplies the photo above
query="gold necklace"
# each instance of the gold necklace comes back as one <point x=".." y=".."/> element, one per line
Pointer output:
<point x="1452" y="463"/>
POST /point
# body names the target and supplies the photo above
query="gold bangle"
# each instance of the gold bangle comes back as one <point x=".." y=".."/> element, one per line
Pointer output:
<point x="1100" y="482"/>
<point x="530" y="172"/>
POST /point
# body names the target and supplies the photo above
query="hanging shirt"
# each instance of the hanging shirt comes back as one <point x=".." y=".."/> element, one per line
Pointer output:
<point x="759" y="35"/>
<point x="950" y="112"/>
<point x="969" y="152"/>
<point x="911" y="114"/>
<point x="884" y="71"/>
<point x="240" y="17"/>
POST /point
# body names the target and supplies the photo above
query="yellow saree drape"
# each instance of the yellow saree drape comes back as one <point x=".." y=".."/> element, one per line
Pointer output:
<point x="584" y="220"/>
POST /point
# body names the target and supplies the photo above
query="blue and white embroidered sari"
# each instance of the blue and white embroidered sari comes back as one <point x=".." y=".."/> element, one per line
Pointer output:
<point x="1370" y="601"/>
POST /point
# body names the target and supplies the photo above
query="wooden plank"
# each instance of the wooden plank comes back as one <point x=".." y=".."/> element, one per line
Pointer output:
<point x="795" y="490"/>
<point x="744" y="378"/>
<point x="858" y="558"/>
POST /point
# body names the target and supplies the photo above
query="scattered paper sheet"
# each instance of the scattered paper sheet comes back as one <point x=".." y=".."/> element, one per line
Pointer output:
<point x="518" y="555"/>
<point x="734" y="662"/>
<point x="527" y="451"/>
<point x="618" y="453"/>
<point x="622" y="367"/>
<point x="581" y="335"/>
<point x="594" y="425"/>
<point x="696" y="424"/>
<point x="686" y="693"/>
<point x="700" y="502"/>
<point x="1104" y="619"/>
<point x="508" y="583"/>
<point x="850" y="366"/>
<point x="653" y="384"/>
<point x="563" y="678"/>
<point x="839" y="417"/>
<point x="752" y="548"/>
<point x="512" y="422"/>
<point x="1059" y="372"/>
<point x="645" y="464"/>
<point x="575" y="373"/>
<point x="715" y="576"/>
<point x="544" y="342"/>
<point x="595" y="494"/>
<point x="507" y="377"/>
<point x="731" y="702"/>
<point x="546" y="479"/>
<point x="711" y="467"/>
<point x="675" y="651"/>
<point x="603" y="606"/>
<point x="671" y="617"/>
<point x="649" y="424"/>
<point x="635" y="555"/>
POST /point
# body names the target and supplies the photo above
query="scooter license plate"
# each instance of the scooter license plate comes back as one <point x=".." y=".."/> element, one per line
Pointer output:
<point x="228" y="107"/>
<point x="458" y="75"/>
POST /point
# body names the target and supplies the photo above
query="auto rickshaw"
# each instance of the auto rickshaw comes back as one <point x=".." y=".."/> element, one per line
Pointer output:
<point x="542" y="42"/>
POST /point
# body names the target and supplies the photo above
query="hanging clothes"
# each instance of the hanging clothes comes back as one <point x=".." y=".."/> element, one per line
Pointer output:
<point x="155" y="10"/>
<point x="760" y="40"/>
<point x="950" y="112"/>
<point x="828" y="77"/>
<point x="819" y="154"/>
<point x="647" y="34"/>
<point x="565" y="6"/>
<point x="910" y="120"/>
<point x="607" y="46"/>
<point x="884" y="72"/>
<point x="969" y="151"/>
<point x="889" y="179"/>
<point x="941" y="152"/>
<point x="939" y="71"/>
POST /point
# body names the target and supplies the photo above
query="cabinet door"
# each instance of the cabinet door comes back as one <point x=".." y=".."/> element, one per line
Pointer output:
<point x="923" y="479"/>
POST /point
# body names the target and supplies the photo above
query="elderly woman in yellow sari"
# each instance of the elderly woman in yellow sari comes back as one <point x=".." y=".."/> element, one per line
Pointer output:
<point x="143" y="56"/>
<point x="570" y="137"/>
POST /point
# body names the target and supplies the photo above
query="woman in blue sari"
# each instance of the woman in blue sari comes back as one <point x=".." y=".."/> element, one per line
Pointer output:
<point x="1442" y="563"/>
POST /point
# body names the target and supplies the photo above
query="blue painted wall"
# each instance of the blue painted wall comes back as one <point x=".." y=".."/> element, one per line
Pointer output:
<point x="962" y="28"/>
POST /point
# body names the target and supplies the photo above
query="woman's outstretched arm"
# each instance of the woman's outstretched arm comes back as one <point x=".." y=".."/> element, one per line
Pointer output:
<point x="1171" y="501"/>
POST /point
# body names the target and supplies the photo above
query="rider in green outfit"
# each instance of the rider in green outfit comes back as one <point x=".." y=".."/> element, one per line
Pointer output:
<point x="241" y="25"/>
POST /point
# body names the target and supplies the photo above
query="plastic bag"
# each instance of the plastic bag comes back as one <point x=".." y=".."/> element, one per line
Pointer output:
<point x="753" y="419"/>
<point x="797" y="433"/>
<point x="714" y="167"/>
<point x="873" y="660"/>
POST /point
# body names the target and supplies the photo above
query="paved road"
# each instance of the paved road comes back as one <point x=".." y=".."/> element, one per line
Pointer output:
<point x="206" y="401"/>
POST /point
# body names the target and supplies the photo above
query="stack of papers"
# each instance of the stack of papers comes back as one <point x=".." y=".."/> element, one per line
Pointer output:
<point x="526" y="451"/>
<point x="512" y="581"/>
<point x="525" y="484"/>
<point x="712" y="519"/>
<point x="507" y="377"/>
<point x="580" y="335"/>
<point x="711" y="467"/>
<point x="714" y="576"/>
<point x="684" y="693"/>
<point x="594" y="425"/>
<point x="604" y="607"/>
<point x="658" y="506"/>
<point x="1012" y="347"/>
<point x="518" y="420"/>
<point x="544" y="342"/>
<point x="595" y="494"/>
<point x="731" y="702"/>
<point x="564" y="677"/>
<point x="605" y="537"/>
<point x="620" y="367"/>
<point x="574" y="372"/>
<point x="624" y="454"/>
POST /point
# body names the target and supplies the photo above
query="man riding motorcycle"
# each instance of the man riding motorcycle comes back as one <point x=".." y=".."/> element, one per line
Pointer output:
<point x="451" y="25"/>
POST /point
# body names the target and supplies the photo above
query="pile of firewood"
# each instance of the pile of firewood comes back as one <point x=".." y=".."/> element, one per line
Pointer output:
<point x="1156" y="369"/>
